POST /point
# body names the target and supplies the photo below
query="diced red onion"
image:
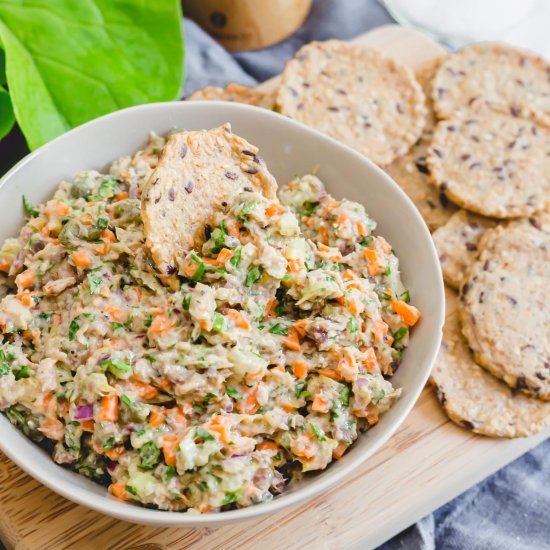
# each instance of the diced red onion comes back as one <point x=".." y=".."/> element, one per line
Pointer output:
<point x="111" y="466"/>
<point x="84" y="412"/>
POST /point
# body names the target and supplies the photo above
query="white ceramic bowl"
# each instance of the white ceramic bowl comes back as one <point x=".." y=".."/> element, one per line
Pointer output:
<point x="289" y="148"/>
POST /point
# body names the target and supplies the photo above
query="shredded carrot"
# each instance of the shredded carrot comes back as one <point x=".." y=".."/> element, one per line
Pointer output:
<point x="372" y="418"/>
<point x="156" y="419"/>
<point x="319" y="404"/>
<point x="348" y="275"/>
<point x="210" y="261"/>
<point x="292" y="340"/>
<point x="380" y="331"/>
<point x="249" y="405"/>
<point x="165" y="384"/>
<point x="206" y="325"/>
<point x="5" y="264"/>
<point x="115" y="454"/>
<point x="45" y="231"/>
<point x="52" y="428"/>
<point x="81" y="258"/>
<point x="161" y="324"/>
<point x="330" y="373"/>
<point x="101" y="249"/>
<point x="170" y="445"/>
<point x="145" y="391"/>
<point x="239" y="320"/>
<point x="267" y="446"/>
<point x="353" y="307"/>
<point x="189" y="269"/>
<point x="408" y="313"/>
<point x="361" y="229"/>
<point x="108" y="235"/>
<point x="342" y="218"/>
<point x="299" y="368"/>
<point x="339" y="451"/>
<point x="323" y="233"/>
<point x="86" y="219"/>
<point x="270" y="308"/>
<point x="62" y="209"/>
<point x="87" y="426"/>
<point x="222" y="426"/>
<point x="288" y="407"/>
<point x="108" y="411"/>
<point x="116" y="314"/>
<point x="25" y="298"/>
<point x="370" y="362"/>
<point x="176" y="415"/>
<point x="295" y="265"/>
<point x="233" y="229"/>
<point x="121" y="196"/>
<point x="331" y="205"/>
<point x="224" y="255"/>
<point x="374" y="261"/>
<point x="300" y="326"/>
<point x="273" y="209"/>
<point x="118" y="489"/>
<point x="25" y="279"/>
<point x="323" y="247"/>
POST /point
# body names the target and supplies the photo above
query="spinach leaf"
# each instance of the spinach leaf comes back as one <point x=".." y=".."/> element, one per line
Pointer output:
<point x="7" y="118"/>
<point x="69" y="62"/>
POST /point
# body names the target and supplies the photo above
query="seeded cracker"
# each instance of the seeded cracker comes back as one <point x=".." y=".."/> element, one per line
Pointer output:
<point x="411" y="171"/>
<point x="493" y="164"/>
<point x="355" y="95"/>
<point x="504" y="309"/>
<point x="499" y="75"/>
<point x="196" y="173"/>
<point x="476" y="400"/>
<point x="457" y="244"/>
<point x="236" y="93"/>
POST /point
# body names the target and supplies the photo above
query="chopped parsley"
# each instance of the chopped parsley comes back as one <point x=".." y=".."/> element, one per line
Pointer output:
<point x="29" y="208"/>
<point x="73" y="329"/>
<point x="278" y="329"/>
<point x="254" y="274"/>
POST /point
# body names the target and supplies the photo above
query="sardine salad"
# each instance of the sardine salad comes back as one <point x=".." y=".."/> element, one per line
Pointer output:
<point x="267" y="359"/>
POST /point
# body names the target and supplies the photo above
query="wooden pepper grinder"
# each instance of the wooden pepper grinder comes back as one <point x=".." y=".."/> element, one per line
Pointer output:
<point x="248" y="24"/>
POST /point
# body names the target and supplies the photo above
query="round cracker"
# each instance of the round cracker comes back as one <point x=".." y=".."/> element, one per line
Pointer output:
<point x="197" y="172"/>
<point x="234" y="92"/>
<point x="504" y="310"/>
<point x="501" y="76"/>
<point x="493" y="164"/>
<point x="457" y="244"/>
<point x="412" y="175"/>
<point x="476" y="400"/>
<point x="424" y="77"/>
<point x="355" y="95"/>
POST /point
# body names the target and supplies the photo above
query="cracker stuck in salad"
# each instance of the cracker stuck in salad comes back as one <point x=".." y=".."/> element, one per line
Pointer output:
<point x="263" y="355"/>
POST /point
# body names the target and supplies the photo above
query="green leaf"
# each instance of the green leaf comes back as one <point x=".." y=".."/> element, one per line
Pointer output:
<point x="2" y="66"/>
<point x="70" y="61"/>
<point x="7" y="117"/>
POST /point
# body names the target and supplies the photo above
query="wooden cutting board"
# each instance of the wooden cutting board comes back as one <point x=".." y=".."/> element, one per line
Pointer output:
<point x="427" y="463"/>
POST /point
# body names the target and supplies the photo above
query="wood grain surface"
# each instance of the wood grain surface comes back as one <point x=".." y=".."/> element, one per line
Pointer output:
<point x="426" y="463"/>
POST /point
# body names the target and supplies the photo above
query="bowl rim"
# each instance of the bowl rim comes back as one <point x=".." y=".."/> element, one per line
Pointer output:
<point x="146" y="516"/>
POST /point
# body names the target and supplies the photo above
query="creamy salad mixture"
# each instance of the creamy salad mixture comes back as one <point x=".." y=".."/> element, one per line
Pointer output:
<point x="270" y="355"/>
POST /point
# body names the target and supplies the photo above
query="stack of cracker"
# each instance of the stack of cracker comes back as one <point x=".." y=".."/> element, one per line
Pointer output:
<point x="468" y="140"/>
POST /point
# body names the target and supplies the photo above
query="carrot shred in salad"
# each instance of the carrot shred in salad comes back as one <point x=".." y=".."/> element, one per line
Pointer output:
<point x="274" y="350"/>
